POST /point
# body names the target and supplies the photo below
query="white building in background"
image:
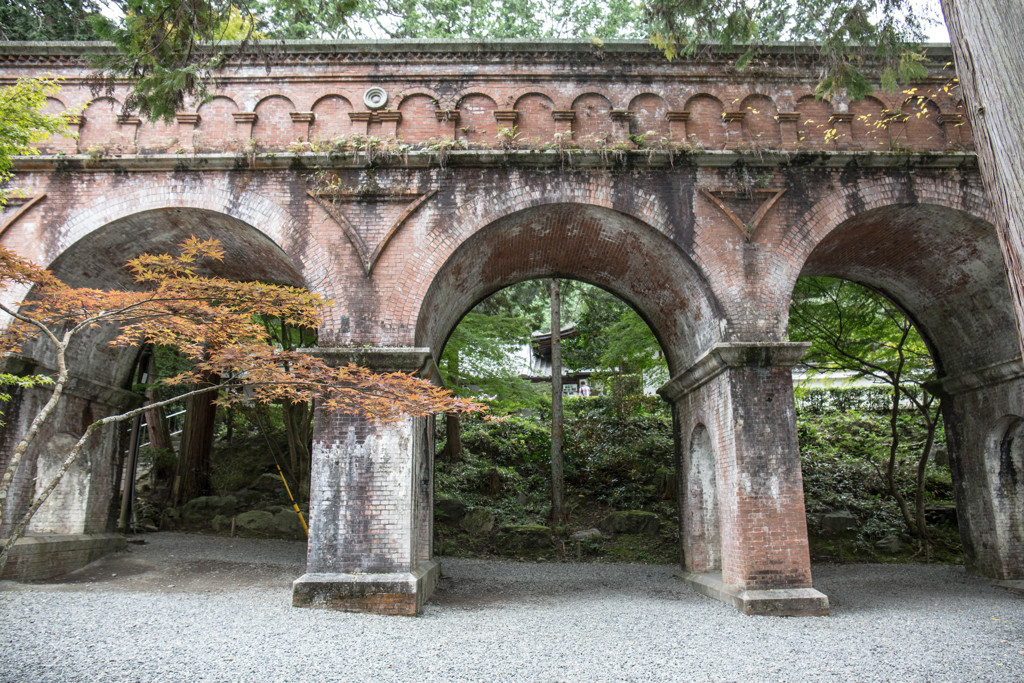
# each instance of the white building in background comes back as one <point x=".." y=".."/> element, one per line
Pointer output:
<point x="535" y="361"/>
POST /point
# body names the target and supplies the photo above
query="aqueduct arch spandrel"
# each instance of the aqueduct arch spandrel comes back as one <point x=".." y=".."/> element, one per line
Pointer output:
<point x="697" y="193"/>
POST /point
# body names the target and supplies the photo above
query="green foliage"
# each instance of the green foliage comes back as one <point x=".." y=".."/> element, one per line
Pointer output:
<point x="9" y="382"/>
<point x="169" y="49"/>
<point x="620" y="460"/>
<point x="613" y="340"/>
<point x="515" y="440"/>
<point x="482" y="358"/>
<point x="847" y="31"/>
<point x="856" y="330"/>
<point x="839" y="452"/>
<point x="49" y="20"/>
<point x="823" y="400"/>
<point x="853" y="329"/>
<point x="483" y="354"/>
<point x="23" y="121"/>
<point x="394" y="19"/>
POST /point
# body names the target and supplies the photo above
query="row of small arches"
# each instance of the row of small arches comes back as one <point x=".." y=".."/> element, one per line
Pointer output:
<point x="591" y="119"/>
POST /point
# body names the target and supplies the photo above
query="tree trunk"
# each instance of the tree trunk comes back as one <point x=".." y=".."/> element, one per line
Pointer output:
<point x="156" y="423"/>
<point x="193" y="475"/>
<point x="989" y="58"/>
<point x="452" y="421"/>
<point x="557" y="482"/>
<point x="452" y="438"/>
<point x="298" y="426"/>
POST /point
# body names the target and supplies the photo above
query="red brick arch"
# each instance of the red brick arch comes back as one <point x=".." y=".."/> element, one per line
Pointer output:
<point x="588" y="242"/>
<point x="928" y="244"/>
<point x="249" y="209"/>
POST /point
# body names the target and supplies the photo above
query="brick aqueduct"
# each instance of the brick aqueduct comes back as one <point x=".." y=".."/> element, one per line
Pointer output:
<point x="695" y="193"/>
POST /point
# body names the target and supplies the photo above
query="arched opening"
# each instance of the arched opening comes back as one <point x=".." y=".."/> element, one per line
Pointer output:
<point x="591" y="244"/>
<point x="105" y="376"/>
<point x="942" y="268"/>
<point x="703" y="541"/>
<point x="616" y="472"/>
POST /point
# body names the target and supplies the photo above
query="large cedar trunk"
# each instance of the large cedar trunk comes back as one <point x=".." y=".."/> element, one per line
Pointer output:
<point x="557" y="479"/>
<point x="193" y="476"/>
<point x="989" y="58"/>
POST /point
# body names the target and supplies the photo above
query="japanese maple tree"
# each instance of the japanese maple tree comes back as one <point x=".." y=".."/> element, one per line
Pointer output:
<point x="215" y="322"/>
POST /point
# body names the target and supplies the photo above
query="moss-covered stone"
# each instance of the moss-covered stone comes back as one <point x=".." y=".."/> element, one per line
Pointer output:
<point x="631" y="522"/>
<point x="527" y="539"/>
<point x="449" y="510"/>
<point x="255" y="523"/>
<point x="287" y="525"/>
<point x="478" y="522"/>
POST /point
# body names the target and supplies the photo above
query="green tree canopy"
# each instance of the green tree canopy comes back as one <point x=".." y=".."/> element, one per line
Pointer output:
<point x="50" y="20"/>
<point x="854" y="329"/>
<point x="847" y="31"/>
<point x="24" y="122"/>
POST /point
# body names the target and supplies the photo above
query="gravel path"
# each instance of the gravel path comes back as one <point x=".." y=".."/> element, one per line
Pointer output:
<point x="193" y="608"/>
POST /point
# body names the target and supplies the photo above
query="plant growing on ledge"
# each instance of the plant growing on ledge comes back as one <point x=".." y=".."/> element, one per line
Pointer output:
<point x="215" y="323"/>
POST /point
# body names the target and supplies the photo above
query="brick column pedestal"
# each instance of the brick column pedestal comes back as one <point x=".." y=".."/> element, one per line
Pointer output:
<point x="983" y="411"/>
<point x="734" y="129"/>
<point x="621" y="119"/>
<point x="740" y="486"/>
<point x="371" y="499"/>
<point x="301" y="123"/>
<point x="563" y="122"/>
<point x="187" y="124"/>
<point x="952" y="124"/>
<point x="788" y="129"/>
<point x="244" y="122"/>
<point x="389" y="121"/>
<point x="448" y="122"/>
<point x="842" y="124"/>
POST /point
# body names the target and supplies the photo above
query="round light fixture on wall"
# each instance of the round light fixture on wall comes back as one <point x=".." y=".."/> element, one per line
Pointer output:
<point x="375" y="97"/>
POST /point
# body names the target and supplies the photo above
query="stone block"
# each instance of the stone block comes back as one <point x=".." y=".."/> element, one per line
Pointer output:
<point x="630" y="522"/>
<point x="399" y="593"/>
<point x="478" y="522"/>
<point x="838" y="522"/>
<point x="525" y="539"/>
<point x="255" y="522"/>
<point x="449" y="510"/>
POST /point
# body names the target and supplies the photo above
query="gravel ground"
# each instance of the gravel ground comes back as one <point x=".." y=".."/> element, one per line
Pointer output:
<point x="193" y="608"/>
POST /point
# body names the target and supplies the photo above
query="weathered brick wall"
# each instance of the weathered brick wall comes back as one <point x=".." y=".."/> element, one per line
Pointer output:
<point x="738" y="400"/>
<point x="983" y="414"/>
<point x="587" y="96"/>
<point x="81" y="503"/>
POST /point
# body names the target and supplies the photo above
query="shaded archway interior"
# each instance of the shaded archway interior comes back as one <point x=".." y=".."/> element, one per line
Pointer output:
<point x="580" y="242"/>
<point x="942" y="266"/>
<point x="97" y="260"/>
